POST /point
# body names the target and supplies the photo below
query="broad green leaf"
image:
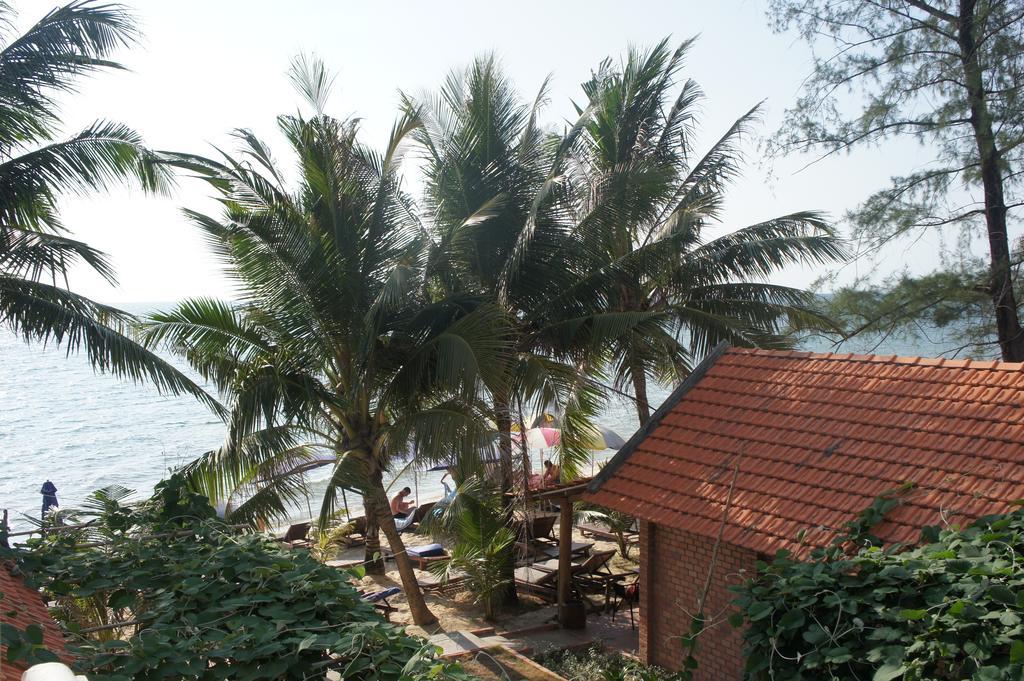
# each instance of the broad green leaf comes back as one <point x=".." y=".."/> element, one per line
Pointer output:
<point x="889" y="671"/>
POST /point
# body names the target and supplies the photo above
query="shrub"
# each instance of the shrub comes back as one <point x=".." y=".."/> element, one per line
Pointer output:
<point x="950" y="608"/>
<point x="179" y="595"/>
<point x="597" y="664"/>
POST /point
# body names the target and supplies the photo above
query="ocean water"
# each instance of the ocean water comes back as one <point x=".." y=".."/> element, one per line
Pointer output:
<point x="61" y="421"/>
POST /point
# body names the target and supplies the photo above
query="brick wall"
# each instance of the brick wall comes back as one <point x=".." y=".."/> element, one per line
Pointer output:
<point x="673" y="568"/>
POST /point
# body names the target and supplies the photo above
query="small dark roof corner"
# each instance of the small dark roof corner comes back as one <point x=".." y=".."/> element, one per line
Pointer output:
<point x="608" y="470"/>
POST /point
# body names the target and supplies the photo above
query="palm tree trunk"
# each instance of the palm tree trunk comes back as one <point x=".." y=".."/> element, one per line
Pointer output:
<point x="373" y="558"/>
<point x="378" y="505"/>
<point x="643" y="405"/>
<point x="503" y="420"/>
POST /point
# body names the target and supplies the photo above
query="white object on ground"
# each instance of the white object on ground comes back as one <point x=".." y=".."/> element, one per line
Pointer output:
<point x="50" y="671"/>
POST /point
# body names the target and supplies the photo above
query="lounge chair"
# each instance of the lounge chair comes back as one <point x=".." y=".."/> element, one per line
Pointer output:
<point x="418" y="515"/>
<point x="595" y="577"/>
<point x="535" y="537"/>
<point x="539" y="579"/>
<point x="601" y="531"/>
<point x="357" y="535"/>
<point x="537" y="528"/>
<point x="539" y="551"/>
<point x="423" y="556"/>
<point x="596" y="564"/>
<point x="380" y="600"/>
<point x="296" y="536"/>
<point x="431" y="583"/>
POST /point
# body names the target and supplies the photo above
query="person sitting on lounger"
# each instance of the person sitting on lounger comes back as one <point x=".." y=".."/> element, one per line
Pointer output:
<point x="535" y="481"/>
<point x="399" y="506"/>
<point x="552" y="474"/>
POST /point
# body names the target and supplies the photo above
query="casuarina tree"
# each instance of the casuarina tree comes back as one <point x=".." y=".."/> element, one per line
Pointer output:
<point x="948" y="74"/>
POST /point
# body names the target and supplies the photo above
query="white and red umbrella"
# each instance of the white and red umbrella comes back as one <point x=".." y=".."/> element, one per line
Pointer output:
<point x="599" y="439"/>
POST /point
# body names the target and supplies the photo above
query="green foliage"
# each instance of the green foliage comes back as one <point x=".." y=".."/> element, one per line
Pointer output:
<point x="596" y="664"/>
<point x="37" y="70"/>
<point x="190" y="599"/>
<point x="644" y="205"/>
<point x="949" y="77"/>
<point x="335" y="347"/>
<point x="617" y="522"/>
<point x="326" y="543"/>
<point x="23" y="645"/>
<point x="483" y="543"/>
<point x="951" y="301"/>
<point x="950" y="608"/>
<point x="891" y="70"/>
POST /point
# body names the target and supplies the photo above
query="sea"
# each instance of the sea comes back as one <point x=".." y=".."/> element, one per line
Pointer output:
<point x="61" y="421"/>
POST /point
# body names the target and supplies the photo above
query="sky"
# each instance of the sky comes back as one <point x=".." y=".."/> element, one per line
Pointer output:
<point x="205" y="68"/>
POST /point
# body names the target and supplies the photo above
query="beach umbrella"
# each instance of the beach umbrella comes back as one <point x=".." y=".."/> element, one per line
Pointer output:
<point x="546" y="420"/>
<point x="542" y="438"/>
<point x="600" y="438"/>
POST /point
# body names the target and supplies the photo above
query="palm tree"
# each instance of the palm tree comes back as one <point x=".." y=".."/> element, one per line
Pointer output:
<point x="476" y="518"/>
<point x="333" y="343"/>
<point x="497" y="210"/>
<point x="642" y="202"/>
<point x="37" y="168"/>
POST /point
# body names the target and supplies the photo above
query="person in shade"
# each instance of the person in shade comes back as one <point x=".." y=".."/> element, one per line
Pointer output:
<point x="399" y="506"/>
<point x="552" y="473"/>
<point x="49" y="492"/>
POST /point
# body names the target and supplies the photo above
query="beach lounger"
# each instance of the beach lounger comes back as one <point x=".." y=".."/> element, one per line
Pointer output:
<point x="418" y="516"/>
<point x="404" y="522"/>
<point x="296" y="536"/>
<point x="537" y="528"/>
<point x="431" y="583"/>
<point x="539" y="579"/>
<point x="601" y="531"/>
<point x="411" y="521"/>
<point x="380" y="600"/>
<point x="539" y="551"/>
<point x="535" y="536"/>
<point x="596" y="564"/>
<point x="423" y="556"/>
<point x="357" y="535"/>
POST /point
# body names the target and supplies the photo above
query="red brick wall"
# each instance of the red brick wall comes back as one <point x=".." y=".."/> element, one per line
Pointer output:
<point x="673" y="568"/>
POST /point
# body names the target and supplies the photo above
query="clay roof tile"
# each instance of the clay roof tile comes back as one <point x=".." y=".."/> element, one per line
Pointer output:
<point x="816" y="437"/>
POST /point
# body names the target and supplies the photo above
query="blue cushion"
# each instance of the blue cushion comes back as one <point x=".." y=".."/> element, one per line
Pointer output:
<point x="381" y="595"/>
<point x="426" y="551"/>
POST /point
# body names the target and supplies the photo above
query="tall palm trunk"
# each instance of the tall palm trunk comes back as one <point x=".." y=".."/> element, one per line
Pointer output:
<point x="379" y="507"/>
<point x="373" y="559"/>
<point x="503" y="420"/>
<point x="643" y="404"/>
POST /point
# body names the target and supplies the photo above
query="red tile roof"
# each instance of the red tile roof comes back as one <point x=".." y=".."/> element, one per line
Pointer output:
<point x="816" y="438"/>
<point x="21" y="606"/>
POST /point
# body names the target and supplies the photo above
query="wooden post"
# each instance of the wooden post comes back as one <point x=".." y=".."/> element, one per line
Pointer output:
<point x="564" y="557"/>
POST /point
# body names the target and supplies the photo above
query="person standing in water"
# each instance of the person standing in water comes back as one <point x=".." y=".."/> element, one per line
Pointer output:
<point x="49" y="492"/>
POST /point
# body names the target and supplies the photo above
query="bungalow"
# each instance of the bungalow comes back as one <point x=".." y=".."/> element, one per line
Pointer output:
<point x="765" y="450"/>
<point x="21" y="606"/>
